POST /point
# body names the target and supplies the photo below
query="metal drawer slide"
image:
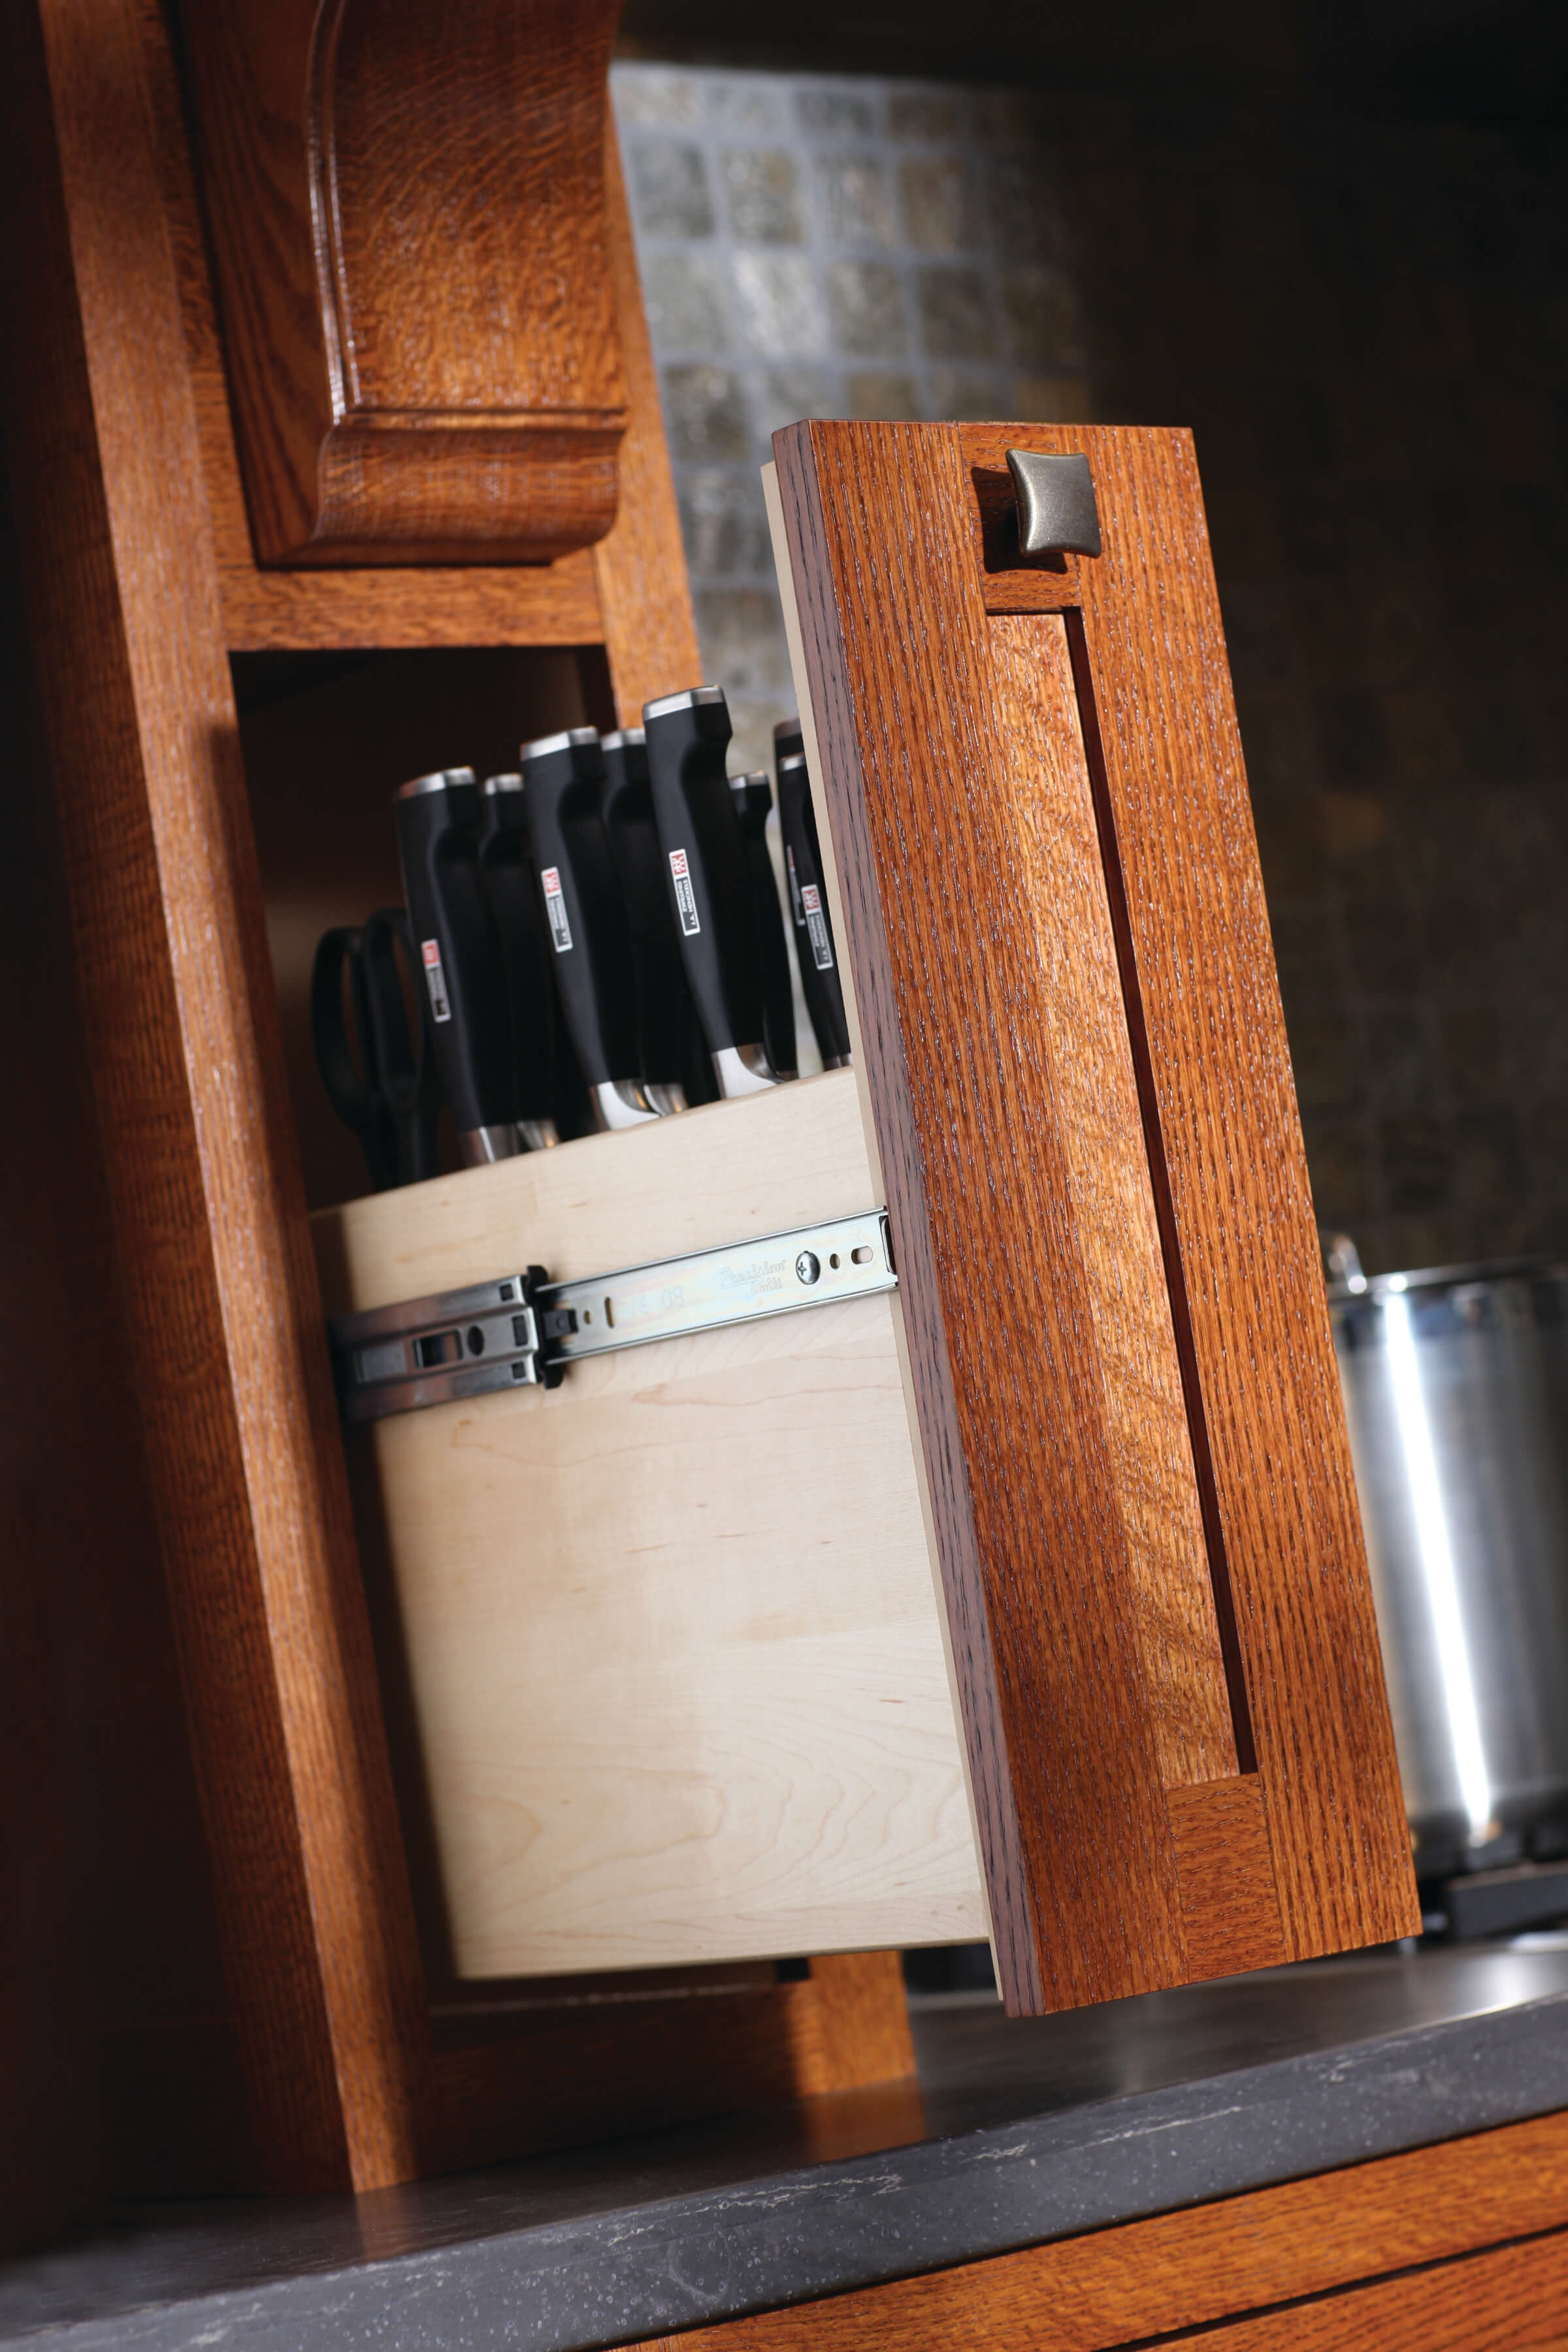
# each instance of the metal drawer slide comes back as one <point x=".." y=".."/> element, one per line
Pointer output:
<point x="522" y="1330"/>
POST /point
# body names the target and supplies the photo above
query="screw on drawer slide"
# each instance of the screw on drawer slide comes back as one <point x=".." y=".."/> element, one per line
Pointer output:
<point x="522" y="1330"/>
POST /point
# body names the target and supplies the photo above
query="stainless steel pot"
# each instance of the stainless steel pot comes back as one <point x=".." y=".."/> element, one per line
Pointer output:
<point x="1456" y="1385"/>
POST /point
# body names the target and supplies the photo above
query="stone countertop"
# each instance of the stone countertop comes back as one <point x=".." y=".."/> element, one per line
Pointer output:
<point x="1020" y="2132"/>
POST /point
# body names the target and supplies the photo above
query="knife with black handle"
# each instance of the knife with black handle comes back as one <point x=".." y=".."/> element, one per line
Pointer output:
<point x="674" y="1058"/>
<point x="753" y="798"/>
<point x="506" y="862"/>
<point x="709" y="886"/>
<point x="585" y="920"/>
<point x="820" y="983"/>
<point x="460" y="958"/>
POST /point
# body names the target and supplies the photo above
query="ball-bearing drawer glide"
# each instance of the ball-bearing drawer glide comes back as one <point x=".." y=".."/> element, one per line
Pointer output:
<point x="522" y="1330"/>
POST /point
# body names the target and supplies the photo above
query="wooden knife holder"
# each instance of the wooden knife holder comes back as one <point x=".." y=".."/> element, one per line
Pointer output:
<point x="1068" y="1514"/>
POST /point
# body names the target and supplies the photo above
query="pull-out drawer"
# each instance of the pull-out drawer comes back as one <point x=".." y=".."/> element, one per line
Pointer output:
<point x="669" y="1629"/>
<point x="674" y="1631"/>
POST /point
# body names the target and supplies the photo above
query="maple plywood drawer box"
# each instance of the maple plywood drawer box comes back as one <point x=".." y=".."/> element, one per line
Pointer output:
<point x="1026" y="1597"/>
<point x="672" y="1642"/>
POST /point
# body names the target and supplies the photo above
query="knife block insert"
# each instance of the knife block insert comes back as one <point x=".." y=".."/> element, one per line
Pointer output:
<point x="666" y="1652"/>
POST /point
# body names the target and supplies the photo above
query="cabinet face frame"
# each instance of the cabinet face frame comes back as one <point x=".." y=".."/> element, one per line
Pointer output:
<point x="920" y="641"/>
<point x="320" y="2060"/>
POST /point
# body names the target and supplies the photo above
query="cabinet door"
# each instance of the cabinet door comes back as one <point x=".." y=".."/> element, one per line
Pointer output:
<point x="1073" y="1062"/>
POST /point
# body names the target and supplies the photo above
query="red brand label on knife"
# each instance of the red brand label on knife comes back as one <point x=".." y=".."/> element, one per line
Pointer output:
<point x="436" y="978"/>
<point x="556" y="908"/>
<point x="685" y="897"/>
<point x="816" y="927"/>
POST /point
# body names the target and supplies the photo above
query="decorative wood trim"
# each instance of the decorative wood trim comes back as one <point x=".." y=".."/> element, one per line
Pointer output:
<point x="420" y="372"/>
<point x="1219" y="2262"/>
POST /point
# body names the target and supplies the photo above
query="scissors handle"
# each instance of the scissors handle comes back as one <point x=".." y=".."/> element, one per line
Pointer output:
<point x="410" y="1082"/>
<point x="343" y="1034"/>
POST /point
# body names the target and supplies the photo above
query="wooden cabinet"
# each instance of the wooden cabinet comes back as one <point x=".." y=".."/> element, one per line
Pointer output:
<point x="1119" y="1446"/>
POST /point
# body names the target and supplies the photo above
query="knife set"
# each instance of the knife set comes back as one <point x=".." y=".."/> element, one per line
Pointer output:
<point x="589" y="943"/>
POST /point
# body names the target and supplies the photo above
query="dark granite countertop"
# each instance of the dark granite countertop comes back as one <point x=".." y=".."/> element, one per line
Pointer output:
<point x="1022" y="2132"/>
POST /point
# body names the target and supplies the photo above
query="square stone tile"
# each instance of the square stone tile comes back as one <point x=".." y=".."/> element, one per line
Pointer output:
<point x="762" y="189"/>
<point x="882" y="394"/>
<point x="750" y="103"/>
<point x="936" y="194"/>
<point x="780" y="310"/>
<point x="705" y="413"/>
<point x="1416" y="1149"/>
<point x="669" y="189"/>
<point x="867" y="303"/>
<point x="966" y="396"/>
<point x="723" y="522"/>
<point x="1018" y="193"/>
<point x="1051" y="399"/>
<point x="958" y="316"/>
<point x="689" y="301"/>
<point x="1325" y="1059"/>
<point x="1341" y="1159"/>
<point x="855" y="203"/>
<point x="654" y="98"/>
<point x="787" y="395"/>
<point x="742" y="636"/>
<point x="929" y="115"/>
<point x="1043" y="320"/>
<point x="836" y="113"/>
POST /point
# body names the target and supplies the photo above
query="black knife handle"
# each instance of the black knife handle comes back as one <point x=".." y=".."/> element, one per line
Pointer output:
<point x="398" y="1007"/>
<point x="585" y="918"/>
<point x="506" y="862"/>
<point x="753" y="798"/>
<point x="462" y="961"/>
<point x="706" y="877"/>
<point x="820" y="982"/>
<point x="673" y="1056"/>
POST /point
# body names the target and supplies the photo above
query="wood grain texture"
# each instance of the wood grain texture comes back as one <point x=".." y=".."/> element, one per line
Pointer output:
<point x="1212" y="2263"/>
<point x="408" y="235"/>
<point x="209" y="1225"/>
<point x="1229" y="1160"/>
<point x="861" y="2022"/>
<point x="958" y="1059"/>
<point x="1512" y="2300"/>
<point x="670" y="1635"/>
<point x="1229" y="1905"/>
<point x="994" y="1106"/>
<point x="639" y="568"/>
<point x="1045" y="780"/>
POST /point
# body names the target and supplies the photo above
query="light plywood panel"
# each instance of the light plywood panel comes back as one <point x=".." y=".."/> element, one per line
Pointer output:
<point x="673" y="1639"/>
